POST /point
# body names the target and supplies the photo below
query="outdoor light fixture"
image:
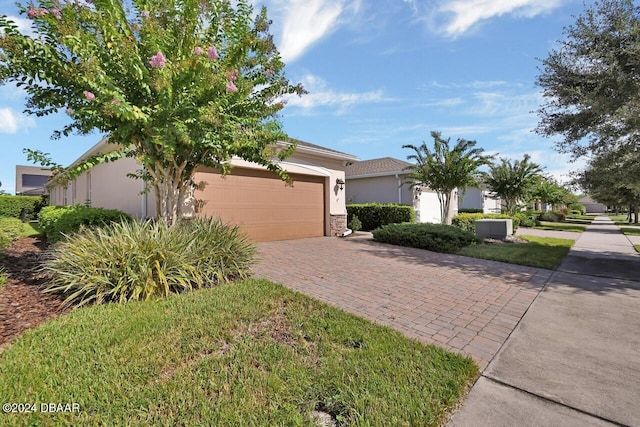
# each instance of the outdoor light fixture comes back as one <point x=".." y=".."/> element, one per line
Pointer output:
<point x="340" y="183"/>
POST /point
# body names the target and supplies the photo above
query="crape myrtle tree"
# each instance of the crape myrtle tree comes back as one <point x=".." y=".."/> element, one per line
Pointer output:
<point x="446" y="168"/>
<point x="591" y="81"/>
<point x="174" y="83"/>
<point x="513" y="182"/>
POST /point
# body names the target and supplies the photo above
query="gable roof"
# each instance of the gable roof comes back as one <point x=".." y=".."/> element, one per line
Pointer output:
<point x="307" y="147"/>
<point x="377" y="167"/>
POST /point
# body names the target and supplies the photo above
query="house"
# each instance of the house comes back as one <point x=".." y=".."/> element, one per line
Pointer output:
<point x="264" y="206"/>
<point x="386" y="180"/>
<point x="480" y="198"/>
<point x="31" y="180"/>
<point x="591" y="206"/>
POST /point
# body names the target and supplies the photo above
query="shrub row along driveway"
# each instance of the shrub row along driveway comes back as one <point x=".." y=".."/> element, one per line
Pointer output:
<point x="463" y="304"/>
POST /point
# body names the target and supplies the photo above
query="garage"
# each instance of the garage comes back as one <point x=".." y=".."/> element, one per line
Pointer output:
<point x="262" y="204"/>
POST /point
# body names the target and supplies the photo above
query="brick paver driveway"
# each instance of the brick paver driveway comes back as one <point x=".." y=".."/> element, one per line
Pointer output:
<point x="463" y="304"/>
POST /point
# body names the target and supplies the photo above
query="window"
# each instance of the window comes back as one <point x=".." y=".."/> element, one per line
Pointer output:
<point x="30" y="180"/>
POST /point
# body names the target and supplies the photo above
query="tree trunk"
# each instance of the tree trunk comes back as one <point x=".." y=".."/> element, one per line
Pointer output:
<point x="171" y="187"/>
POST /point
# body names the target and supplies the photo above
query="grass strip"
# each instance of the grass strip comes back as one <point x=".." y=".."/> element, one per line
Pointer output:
<point x="542" y="252"/>
<point x="561" y="226"/>
<point x="630" y="231"/>
<point x="250" y="353"/>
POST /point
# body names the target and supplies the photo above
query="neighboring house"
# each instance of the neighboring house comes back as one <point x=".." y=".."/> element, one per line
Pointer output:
<point x="386" y="180"/>
<point x="31" y="180"/>
<point x="480" y="198"/>
<point x="256" y="199"/>
<point x="591" y="206"/>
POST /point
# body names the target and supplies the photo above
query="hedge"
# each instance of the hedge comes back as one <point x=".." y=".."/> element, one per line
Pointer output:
<point x="467" y="221"/>
<point x="553" y="216"/>
<point x="470" y="210"/>
<point x="432" y="237"/>
<point x="12" y="205"/>
<point x="10" y="230"/>
<point x="375" y="215"/>
<point x="57" y="221"/>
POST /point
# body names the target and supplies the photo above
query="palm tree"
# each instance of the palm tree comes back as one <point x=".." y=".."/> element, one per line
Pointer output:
<point x="513" y="182"/>
<point x="445" y="168"/>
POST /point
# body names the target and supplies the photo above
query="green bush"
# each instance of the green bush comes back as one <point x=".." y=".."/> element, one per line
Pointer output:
<point x="432" y="237"/>
<point x="12" y="205"/>
<point x="470" y="210"/>
<point x="10" y="230"/>
<point x="467" y="221"/>
<point x="375" y="215"/>
<point x="355" y="224"/>
<point x="579" y="208"/>
<point x="553" y="216"/>
<point x="58" y="221"/>
<point x="526" y="220"/>
<point x="132" y="261"/>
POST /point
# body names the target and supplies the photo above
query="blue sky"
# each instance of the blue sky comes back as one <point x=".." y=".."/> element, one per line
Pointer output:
<point x="381" y="74"/>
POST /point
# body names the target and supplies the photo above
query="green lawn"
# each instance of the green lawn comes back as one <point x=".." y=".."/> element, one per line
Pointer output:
<point x="32" y="229"/>
<point x="631" y="231"/>
<point x="543" y="252"/>
<point x="637" y="248"/>
<point x="580" y="219"/>
<point x="561" y="226"/>
<point x="251" y="353"/>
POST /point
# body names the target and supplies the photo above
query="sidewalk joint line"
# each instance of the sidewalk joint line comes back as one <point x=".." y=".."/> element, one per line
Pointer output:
<point x="582" y="411"/>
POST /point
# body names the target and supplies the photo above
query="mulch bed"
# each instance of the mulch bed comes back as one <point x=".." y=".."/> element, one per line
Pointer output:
<point x="22" y="304"/>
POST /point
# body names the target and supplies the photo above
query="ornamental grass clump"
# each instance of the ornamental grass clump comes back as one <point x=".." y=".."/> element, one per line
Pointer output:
<point x="133" y="261"/>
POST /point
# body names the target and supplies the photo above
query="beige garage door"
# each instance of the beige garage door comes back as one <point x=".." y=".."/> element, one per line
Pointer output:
<point x="262" y="204"/>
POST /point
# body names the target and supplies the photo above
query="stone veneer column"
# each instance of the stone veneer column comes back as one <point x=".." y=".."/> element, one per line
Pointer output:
<point x="338" y="224"/>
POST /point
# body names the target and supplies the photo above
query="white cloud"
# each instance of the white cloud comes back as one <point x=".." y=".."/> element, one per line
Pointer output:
<point x="320" y="95"/>
<point x="24" y="25"/>
<point x="304" y="22"/>
<point x="11" y="122"/>
<point x="456" y="17"/>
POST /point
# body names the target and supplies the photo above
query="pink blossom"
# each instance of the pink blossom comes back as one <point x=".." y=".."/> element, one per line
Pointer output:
<point x="43" y="12"/>
<point x="269" y="72"/>
<point x="198" y="51"/>
<point x="56" y="13"/>
<point x="32" y="13"/>
<point x="69" y="111"/>
<point x="89" y="95"/>
<point x="144" y="13"/>
<point x="231" y="87"/>
<point x="158" y="60"/>
<point x="213" y="53"/>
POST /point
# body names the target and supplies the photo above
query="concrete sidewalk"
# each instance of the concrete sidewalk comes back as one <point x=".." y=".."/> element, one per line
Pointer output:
<point x="573" y="359"/>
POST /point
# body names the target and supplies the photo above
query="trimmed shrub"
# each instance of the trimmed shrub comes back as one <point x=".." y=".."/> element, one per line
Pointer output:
<point x="355" y="224"/>
<point x="526" y="220"/>
<point x="553" y="216"/>
<point x="579" y="207"/>
<point x="13" y="205"/>
<point x="432" y="237"/>
<point x="132" y="261"/>
<point x="58" y="221"/>
<point x="467" y="221"/>
<point x="470" y="210"/>
<point x="375" y="215"/>
<point x="10" y="230"/>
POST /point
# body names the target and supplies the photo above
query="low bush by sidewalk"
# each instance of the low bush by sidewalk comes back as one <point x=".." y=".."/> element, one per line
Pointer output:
<point x="433" y="237"/>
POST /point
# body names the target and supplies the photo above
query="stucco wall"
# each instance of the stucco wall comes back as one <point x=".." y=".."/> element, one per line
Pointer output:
<point x="381" y="189"/>
<point x="472" y="199"/>
<point x="427" y="206"/>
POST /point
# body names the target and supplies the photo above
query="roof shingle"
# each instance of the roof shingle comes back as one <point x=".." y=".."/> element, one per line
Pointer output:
<point x="384" y="165"/>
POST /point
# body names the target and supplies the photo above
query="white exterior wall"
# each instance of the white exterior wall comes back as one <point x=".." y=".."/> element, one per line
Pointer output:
<point x="380" y="189"/>
<point x="427" y="206"/>
<point x="107" y="186"/>
<point x="475" y="198"/>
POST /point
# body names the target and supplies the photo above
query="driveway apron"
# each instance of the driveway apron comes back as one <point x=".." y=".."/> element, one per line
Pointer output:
<point x="574" y="359"/>
<point x="463" y="304"/>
